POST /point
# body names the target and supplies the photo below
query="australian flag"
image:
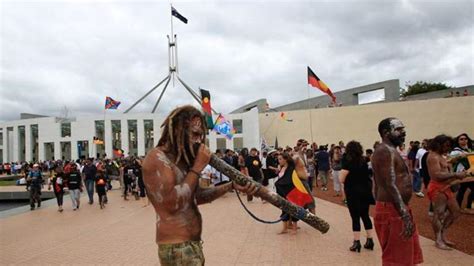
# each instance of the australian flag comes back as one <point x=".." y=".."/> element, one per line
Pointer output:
<point x="175" y="13"/>
<point x="111" y="103"/>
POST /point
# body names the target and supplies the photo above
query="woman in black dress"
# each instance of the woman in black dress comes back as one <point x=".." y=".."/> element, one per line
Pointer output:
<point x="358" y="189"/>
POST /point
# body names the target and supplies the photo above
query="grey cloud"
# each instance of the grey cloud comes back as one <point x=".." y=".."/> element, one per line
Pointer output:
<point x="74" y="54"/>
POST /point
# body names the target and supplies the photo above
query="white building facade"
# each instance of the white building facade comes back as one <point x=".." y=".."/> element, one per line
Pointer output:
<point x="51" y="138"/>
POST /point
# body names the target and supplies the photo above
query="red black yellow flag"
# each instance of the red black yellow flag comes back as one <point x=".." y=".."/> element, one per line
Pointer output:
<point x="314" y="81"/>
<point x="299" y="195"/>
<point x="206" y="108"/>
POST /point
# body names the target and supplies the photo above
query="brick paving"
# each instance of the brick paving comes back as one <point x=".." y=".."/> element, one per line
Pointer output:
<point x="123" y="233"/>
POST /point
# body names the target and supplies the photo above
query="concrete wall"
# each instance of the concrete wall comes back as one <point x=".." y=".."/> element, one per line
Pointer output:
<point x="347" y="97"/>
<point x="423" y="119"/>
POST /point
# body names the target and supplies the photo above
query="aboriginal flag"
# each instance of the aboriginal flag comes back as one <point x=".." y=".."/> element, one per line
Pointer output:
<point x="290" y="187"/>
<point x="206" y="108"/>
<point x="111" y="103"/>
<point x="175" y="13"/>
<point x="314" y="81"/>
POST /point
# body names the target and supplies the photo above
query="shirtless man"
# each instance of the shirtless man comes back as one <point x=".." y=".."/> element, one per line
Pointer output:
<point x="393" y="220"/>
<point x="171" y="173"/>
<point x="300" y="167"/>
<point x="446" y="209"/>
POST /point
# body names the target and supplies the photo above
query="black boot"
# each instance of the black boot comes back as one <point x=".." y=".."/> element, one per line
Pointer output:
<point x="355" y="246"/>
<point x="369" y="244"/>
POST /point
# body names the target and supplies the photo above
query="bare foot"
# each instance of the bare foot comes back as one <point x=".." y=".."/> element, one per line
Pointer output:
<point x="449" y="243"/>
<point x="443" y="246"/>
<point x="284" y="231"/>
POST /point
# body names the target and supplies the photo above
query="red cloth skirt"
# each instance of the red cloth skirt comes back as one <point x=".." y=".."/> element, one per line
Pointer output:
<point x="395" y="249"/>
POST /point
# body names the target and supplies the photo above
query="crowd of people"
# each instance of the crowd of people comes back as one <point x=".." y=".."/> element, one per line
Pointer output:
<point x="89" y="174"/>
<point x="385" y="176"/>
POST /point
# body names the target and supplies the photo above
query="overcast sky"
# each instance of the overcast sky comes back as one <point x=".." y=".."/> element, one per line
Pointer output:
<point x="75" y="53"/>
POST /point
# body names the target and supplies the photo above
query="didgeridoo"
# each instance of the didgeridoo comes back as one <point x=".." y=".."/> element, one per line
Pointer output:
<point x="272" y="197"/>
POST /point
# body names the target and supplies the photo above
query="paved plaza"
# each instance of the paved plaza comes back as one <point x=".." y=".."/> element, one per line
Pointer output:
<point x="124" y="233"/>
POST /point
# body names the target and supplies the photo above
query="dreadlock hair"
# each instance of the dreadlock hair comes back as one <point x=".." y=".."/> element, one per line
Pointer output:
<point x="175" y="134"/>
<point x="436" y="144"/>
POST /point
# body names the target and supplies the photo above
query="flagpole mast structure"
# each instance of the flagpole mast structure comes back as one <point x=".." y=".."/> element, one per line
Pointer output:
<point x="172" y="68"/>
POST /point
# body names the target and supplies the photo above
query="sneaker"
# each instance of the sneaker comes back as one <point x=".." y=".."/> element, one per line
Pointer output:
<point x="420" y="194"/>
<point x="74" y="209"/>
<point x="32" y="208"/>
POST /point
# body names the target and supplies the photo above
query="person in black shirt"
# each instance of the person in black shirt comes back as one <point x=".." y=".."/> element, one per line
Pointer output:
<point x="57" y="182"/>
<point x="128" y="178"/>
<point x="254" y="167"/>
<point x="358" y="190"/>
<point x="89" y="171"/>
<point x="74" y="183"/>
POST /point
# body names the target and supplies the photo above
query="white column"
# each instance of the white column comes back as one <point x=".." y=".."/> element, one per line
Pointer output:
<point x="74" y="155"/>
<point x="156" y="131"/>
<point x="124" y="136"/>
<point x="5" y="145"/>
<point x="28" y="146"/>
<point x="92" y="153"/>
<point x="16" y="142"/>
<point x="57" y="150"/>
<point x="108" y="138"/>
<point x="41" y="150"/>
<point x="140" y="137"/>
<point x="212" y="141"/>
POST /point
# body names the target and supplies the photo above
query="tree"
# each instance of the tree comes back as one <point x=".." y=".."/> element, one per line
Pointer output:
<point x="422" y="87"/>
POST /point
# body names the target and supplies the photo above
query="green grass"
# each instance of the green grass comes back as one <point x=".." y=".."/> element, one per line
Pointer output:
<point x="4" y="183"/>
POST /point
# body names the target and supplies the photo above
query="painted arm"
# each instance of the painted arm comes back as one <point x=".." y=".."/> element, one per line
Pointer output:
<point x="207" y="195"/>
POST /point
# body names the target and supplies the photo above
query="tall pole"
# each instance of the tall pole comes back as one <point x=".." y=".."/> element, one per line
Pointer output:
<point x="310" y="118"/>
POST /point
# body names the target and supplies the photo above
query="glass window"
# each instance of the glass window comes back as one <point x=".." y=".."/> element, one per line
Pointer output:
<point x="149" y="135"/>
<point x="65" y="129"/>
<point x="237" y="124"/>
<point x="238" y="143"/>
<point x="116" y="134"/>
<point x="132" y="137"/>
<point x="221" y="143"/>
<point x="371" y="96"/>
<point x="1" y="138"/>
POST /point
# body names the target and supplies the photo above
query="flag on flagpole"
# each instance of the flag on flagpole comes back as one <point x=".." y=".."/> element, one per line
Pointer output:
<point x="224" y="127"/>
<point x="111" y="103"/>
<point x="314" y="81"/>
<point x="175" y="13"/>
<point x="206" y="107"/>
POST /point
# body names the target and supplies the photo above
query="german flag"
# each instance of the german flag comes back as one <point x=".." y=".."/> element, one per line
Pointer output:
<point x="298" y="195"/>
<point x="314" y="81"/>
<point x="206" y="107"/>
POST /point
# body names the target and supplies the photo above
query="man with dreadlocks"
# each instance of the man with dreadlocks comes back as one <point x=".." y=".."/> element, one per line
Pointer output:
<point x="171" y="173"/>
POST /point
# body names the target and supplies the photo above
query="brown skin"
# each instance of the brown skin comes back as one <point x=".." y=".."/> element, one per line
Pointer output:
<point x="392" y="178"/>
<point x="446" y="211"/>
<point x="300" y="168"/>
<point x="174" y="192"/>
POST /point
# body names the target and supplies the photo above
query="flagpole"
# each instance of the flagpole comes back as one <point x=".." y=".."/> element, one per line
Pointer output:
<point x="310" y="117"/>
